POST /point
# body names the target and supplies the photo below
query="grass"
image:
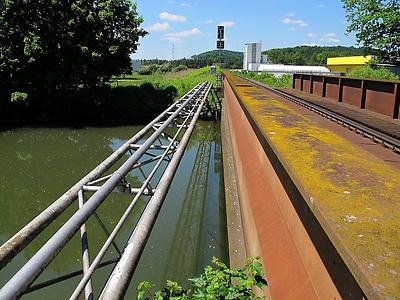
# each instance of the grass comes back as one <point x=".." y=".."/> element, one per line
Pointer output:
<point x="373" y="73"/>
<point x="284" y="81"/>
<point x="183" y="81"/>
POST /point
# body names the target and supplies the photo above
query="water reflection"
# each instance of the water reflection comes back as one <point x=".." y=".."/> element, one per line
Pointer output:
<point x="38" y="165"/>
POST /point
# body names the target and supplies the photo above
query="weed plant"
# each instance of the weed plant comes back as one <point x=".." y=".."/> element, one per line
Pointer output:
<point x="217" y="282"/>
<point x="284" y="81"/>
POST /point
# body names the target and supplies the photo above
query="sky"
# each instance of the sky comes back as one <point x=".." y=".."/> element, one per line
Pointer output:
<point x="182" y="28"/>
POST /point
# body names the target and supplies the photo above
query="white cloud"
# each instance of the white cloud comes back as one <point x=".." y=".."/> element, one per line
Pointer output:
<point x="321" y="5"/>
<point x="311" y="44"/>
<point x="300" y="23"/>
<point x="173" y="39"/>
<point x="311" y="34"/>
<point x="330" y="37"/>
<point x="292" y="28"/>
<point x="208" y="22"/>
<point x="159" y="27"/>
<point x="185" y="4"/>
<point x="171" y="17"/>
<point x="227" y="24"/>
<point x="183" y="34"/>
<point x="290" y="15"/>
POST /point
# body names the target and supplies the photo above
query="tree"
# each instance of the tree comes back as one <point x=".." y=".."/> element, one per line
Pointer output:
<point x="50" y="47"/>
<point x="377" y="25"/>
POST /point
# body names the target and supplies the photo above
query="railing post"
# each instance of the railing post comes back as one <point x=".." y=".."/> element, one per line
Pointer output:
<point x="396" y="96"/>
<point x="363" y="93"/>
<point x="311" y="84"/>
<point x="340" y="90"/>
<point x="323" y="86"/>
<point x="294" y="81"/>
<point x="301" y="82"/>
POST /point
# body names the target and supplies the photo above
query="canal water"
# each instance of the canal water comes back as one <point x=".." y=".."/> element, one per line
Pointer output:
<point x="37" y="165"/>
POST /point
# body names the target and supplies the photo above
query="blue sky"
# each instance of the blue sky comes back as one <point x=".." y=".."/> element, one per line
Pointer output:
<point x="190" y="25"/>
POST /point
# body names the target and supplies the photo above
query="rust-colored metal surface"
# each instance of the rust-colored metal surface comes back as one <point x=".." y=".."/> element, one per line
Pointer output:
<point x="352" y="92"/>
<point x="306" y="83"/>
<point x="297" y="84"/>
<point x="271" y="225"/>
<point x="381" y="96"/>
<point x="237" y="249"/>
<point x="318" y="86"/>
<point x="332" y="88"/>
<point x="353" y="193"/>
<point x="371" y="119"/>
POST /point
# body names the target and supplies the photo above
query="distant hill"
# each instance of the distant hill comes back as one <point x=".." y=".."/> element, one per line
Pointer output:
<point x="300" y="55"/>
<point x="230" y="59"/>
<point x="310" y="55"/>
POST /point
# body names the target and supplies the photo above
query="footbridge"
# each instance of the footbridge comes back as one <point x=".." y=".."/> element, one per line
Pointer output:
<point x="156" y="159"/>
<point x="312" y="185"/>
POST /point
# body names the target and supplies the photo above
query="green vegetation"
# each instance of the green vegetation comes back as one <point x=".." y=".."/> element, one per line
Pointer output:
<point x="52" y="49"/>
<point x="373" y="73"/>
<point x="230" y="60"/>
<point x="163" y="68"/>
<point x="214" y="283"/>
<point x="377" y="26"/>
<point x="183" y="81"/>
<point x="310" y="55"/>
<point x="283" y="81"/>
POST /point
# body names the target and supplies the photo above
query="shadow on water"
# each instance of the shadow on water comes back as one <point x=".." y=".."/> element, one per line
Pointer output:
<point x="42" y="163"/>
<point x="100" y="106"/>
<point x="191" y="228"/>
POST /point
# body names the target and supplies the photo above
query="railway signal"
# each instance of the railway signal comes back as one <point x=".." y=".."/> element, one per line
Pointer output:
<point x="221" y="30"/>
<point x="220" y="45"/>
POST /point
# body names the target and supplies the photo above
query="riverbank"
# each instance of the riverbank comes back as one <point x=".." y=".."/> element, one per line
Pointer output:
<point x="134" y="99"/>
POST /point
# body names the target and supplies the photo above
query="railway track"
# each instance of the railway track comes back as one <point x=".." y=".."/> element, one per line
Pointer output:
<point x="376" y="136"/>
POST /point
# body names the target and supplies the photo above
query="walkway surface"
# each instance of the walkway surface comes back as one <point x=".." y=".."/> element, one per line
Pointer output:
<point x="351" y="185"/>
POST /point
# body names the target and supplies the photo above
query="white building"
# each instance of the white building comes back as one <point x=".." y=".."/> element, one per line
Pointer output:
<point x="254" y="61"/>
<point x="252" y="56"/>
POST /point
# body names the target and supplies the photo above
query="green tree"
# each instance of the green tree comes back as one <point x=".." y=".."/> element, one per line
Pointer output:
<point x="377" y="25"/>
<point x="50" y="47"/>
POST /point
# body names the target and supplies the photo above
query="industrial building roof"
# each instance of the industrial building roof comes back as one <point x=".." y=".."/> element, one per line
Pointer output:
<point x="349" y="60"/>
<point x="292" y="69"/>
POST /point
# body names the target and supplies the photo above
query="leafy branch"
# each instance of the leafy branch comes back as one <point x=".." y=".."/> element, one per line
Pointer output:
<point x="216" y="282"/>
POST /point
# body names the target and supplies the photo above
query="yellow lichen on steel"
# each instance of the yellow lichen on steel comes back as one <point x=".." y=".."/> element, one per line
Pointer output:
<point x="356" y="193"/>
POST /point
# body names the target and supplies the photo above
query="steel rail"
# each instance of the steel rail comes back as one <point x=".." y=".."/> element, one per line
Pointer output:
<point x="105" y="246"/>
<point x="25" y="235"/>
<point x="35" y="266"/>
<point x="368" y="132"/>
<point x="120" y="278"/>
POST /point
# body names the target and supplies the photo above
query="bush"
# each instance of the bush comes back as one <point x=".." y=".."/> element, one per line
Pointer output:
<point x="371" y="72"/>
<point x="19" y="97"/>
<point x="148" y="70"/>
<point x="180" y="68"/>
<point x="165" y="68"/>
<point x="219" y="282"/>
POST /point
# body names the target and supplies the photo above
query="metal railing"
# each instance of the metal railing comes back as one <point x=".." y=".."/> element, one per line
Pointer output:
<point x="165" y="140"/>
